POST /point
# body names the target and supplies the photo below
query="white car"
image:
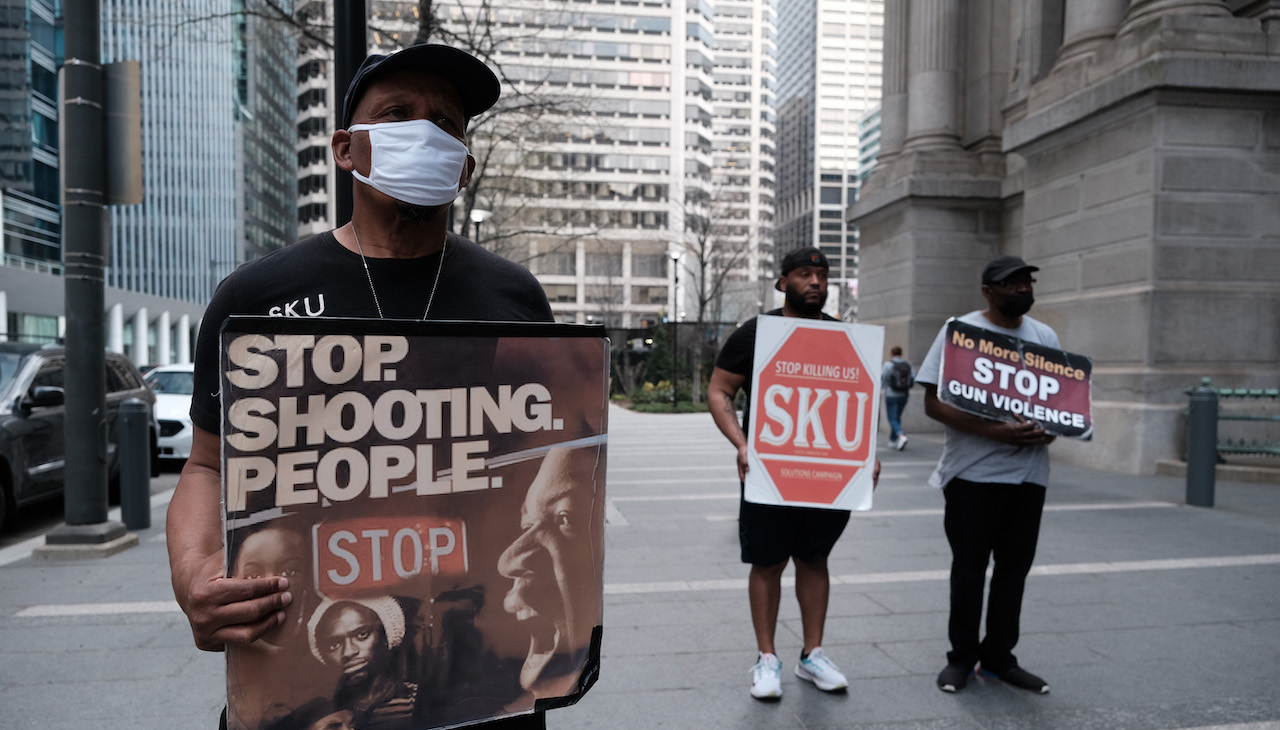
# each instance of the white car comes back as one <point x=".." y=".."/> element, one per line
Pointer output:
<point x="173" y="386"/>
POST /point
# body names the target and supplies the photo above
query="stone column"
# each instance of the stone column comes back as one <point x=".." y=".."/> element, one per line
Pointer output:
<point x="139" y="349"/>
<point x="1141" y="11"/>
<point x="162" y="339"/>
<point x="115" y="328"/>
<point x="1087" y="25"/>
<point x="934" y="71"/>
<point x="893" y="106"/>
<point x="184" y="339"/>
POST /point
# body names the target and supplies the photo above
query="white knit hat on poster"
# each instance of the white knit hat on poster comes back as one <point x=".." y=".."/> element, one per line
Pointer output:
<point x="387" y="608"/>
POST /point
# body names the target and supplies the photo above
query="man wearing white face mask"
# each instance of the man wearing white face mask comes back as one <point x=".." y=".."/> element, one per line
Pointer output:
<point x="405" y="117"/>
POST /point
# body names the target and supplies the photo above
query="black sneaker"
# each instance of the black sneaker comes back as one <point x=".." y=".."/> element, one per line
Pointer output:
<point x="953" y="678"/>
<point x="1018" y="677"/>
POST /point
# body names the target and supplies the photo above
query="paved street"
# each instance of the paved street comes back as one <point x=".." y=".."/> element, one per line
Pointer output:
<point x="1141" y="613"/>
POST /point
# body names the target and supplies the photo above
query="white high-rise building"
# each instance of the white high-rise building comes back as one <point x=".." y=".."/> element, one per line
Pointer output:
<point x="601" y="160"/>
<point x="829" y="70"/>
<point x="316" y="105"/>
<point x="744" y="124"/>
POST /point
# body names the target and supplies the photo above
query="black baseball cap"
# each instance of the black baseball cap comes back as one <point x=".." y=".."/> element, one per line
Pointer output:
<point x="801" y="257"/>
<point x="476" y="84"/>
<point x="1002" y="268"/>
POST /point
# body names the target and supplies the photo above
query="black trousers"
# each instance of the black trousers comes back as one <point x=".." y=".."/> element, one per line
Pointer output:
<point x="985" y="521"/>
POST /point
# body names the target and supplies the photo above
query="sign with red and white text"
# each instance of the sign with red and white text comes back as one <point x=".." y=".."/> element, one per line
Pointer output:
<point x="434" y="494"/>
<point x="815" y="404"/>
<point x="1004" y="378"/>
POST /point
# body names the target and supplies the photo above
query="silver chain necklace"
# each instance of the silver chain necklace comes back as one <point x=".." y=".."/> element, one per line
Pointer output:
<point x="377" y="305"/>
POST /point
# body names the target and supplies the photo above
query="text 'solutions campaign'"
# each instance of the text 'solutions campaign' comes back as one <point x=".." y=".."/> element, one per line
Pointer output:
<point x="815" y="403"/>
<point x="1004" y="378"/>
<point x="434" y="492"/>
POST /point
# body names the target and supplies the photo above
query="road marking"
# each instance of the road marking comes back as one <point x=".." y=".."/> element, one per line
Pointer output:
<point x="99" y="609"/>
<point x="647" y="482"/>
<point x="911" y="576"/>
<point x="674" y="497"/>
<point x="938" y="511"/>
<point x="647" y="469"/>
<point x="740" y="584"/>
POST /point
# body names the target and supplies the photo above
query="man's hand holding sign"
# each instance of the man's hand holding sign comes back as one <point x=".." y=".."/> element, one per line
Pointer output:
<point x="1030" y="392"/>
<point x="814" y="445"/>
<point x="383" y="471"/>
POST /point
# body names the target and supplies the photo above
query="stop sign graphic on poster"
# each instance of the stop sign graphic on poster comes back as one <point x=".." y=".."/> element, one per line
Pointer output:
<point x="815" y="404"/>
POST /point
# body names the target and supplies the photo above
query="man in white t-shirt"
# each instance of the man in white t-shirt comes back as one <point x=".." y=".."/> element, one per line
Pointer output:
<point x="993" y="475"/>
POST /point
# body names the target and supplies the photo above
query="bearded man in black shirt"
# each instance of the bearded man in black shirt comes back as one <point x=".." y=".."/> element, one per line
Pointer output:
<point x="771" y="536"/>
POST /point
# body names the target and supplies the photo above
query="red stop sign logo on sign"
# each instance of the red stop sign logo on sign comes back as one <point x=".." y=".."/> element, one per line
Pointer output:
<point x="813" y="427"/>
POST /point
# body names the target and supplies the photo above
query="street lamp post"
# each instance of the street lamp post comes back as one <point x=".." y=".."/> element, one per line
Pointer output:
<point x="675" y="330"/>
<point x="479" y="216"/>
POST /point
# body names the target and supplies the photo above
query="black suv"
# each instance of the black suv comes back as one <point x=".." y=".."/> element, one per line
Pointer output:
<point x="32" y="414"/>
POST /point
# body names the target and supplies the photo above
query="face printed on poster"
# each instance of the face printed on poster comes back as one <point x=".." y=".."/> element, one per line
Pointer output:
<point x="436" y="497"/>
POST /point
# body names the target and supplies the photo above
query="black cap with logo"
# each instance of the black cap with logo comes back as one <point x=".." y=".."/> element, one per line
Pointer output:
<point x="801" y="257"/>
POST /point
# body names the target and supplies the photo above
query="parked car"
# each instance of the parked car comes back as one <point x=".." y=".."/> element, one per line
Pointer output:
<point x="32" y="416"/>
<point x="173" y="386"/>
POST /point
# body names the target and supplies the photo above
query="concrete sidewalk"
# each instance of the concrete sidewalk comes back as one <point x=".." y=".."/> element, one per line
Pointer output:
<point x="1141" y="613"/>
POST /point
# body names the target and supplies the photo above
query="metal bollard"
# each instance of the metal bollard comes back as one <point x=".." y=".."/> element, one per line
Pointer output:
<point x="1202" y="445"/>
<point x="133" y="453"/>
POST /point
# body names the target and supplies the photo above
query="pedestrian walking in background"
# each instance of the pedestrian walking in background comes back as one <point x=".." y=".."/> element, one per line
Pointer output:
<point x="772" y="535"/>
<point x="993" y="475"/>
<point x="896" y="379"/>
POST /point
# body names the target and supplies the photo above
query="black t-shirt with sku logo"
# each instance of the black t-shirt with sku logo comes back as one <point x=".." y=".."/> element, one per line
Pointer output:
<point x="318" y="276"/>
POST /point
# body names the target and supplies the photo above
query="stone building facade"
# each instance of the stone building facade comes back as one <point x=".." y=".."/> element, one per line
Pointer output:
<point x="1130" y="149"/>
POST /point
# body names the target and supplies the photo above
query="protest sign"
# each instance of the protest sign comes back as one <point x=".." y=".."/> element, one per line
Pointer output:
<point x="997" y="376"/>
<point x="434" y="493"/>
<point x="815" y="403"/>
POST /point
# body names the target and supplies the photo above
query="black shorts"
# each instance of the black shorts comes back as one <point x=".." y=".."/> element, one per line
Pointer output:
<point x="770" y="534"/>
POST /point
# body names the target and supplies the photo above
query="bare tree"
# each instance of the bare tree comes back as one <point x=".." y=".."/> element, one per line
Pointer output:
<point x="536" y="109"/>
<point x="505" y="141"/>
<point x="716" y="248"/>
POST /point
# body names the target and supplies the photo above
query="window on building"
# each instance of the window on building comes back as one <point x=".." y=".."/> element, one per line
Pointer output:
<point x="649" y="264"/>
<point x="604" y="263"/>
<point x="561" y="292"/>
<point x="648" y="295"/>
<point x="557" y="262"/>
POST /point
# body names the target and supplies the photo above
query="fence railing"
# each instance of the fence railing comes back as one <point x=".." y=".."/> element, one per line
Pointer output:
<point x="1256" y="444"/>
<point x="1204" y="445"/>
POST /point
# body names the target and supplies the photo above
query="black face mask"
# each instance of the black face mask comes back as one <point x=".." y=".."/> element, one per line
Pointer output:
<point x="1016" y="304"/>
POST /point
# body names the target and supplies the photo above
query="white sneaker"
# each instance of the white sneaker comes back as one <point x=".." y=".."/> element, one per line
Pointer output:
<point x="766" y="678"/>
<point x="902" y="442"/>
<point x="820" y="670"/>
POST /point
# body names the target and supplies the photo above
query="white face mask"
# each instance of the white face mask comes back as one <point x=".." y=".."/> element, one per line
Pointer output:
<point x="414" y="161"/>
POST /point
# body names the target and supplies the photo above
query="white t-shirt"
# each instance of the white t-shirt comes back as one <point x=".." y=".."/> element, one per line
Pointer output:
<point x="975" y="458"/>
